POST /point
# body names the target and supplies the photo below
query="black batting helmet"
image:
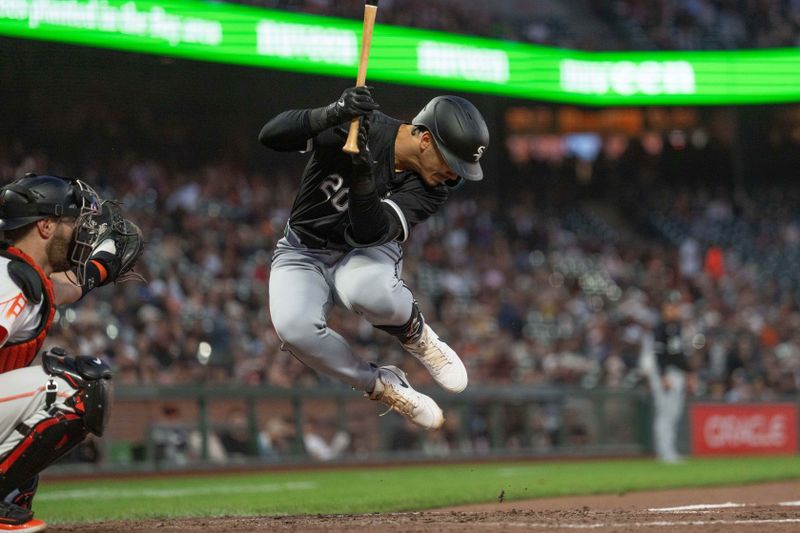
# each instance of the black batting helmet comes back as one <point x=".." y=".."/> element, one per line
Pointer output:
<point x="33" y="198"/>
<point x="460" y="133"/>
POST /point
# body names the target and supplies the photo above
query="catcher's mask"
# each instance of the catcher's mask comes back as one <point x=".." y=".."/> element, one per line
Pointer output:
<point x="33" y="198"/>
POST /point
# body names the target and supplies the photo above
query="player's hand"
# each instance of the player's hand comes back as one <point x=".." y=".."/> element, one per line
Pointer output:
<point x="354" y="102"/>
<point x="120" y="243"/>
<point x="362" y="161"/>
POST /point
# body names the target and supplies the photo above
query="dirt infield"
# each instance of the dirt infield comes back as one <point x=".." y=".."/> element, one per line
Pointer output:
<point x="773" y="507"/>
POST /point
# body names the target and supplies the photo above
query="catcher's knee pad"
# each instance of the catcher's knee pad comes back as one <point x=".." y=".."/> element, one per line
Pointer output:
<point x="90" y="377"/>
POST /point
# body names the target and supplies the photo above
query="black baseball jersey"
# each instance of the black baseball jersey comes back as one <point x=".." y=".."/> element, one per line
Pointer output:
<point x="319" y="215"/>
<point x="668" y="345"/>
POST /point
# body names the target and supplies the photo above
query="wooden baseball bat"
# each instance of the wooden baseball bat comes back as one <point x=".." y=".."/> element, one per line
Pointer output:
<point x="370" y="11"/>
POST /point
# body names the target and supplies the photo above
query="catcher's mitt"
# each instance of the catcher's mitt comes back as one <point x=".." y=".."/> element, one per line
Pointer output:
<point x="128" y="243"/>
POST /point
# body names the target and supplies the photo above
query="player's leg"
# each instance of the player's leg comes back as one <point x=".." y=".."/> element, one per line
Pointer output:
<point x="23" y="401"/>
<point x="300" y="298"/>
<point x="18" y="391"/>
<point x="368" y="282"/>
<point x="673" y="400"/>
<point x="661" y="421"/>
<point x="44" y="413"/>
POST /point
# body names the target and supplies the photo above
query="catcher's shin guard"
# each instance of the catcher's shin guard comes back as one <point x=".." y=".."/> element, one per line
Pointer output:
<point x="44" y="442"/>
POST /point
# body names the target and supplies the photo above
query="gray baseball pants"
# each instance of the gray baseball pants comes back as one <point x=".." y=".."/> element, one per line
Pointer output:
<point x="305" y="283"/>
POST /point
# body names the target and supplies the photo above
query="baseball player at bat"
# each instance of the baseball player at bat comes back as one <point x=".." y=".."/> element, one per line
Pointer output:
<point x="342" y="244"/>
<point x="60" y="241"/>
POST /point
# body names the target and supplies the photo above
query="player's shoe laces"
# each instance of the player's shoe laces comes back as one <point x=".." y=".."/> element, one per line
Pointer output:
<point x="392" y="388"/>
<point x="441" y="360"/>
<point x="18" y="519"/>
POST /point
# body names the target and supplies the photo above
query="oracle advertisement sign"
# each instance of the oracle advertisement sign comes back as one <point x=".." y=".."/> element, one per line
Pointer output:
<point x="724" y="429"/>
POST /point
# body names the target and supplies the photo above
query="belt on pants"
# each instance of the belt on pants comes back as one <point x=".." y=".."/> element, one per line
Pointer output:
<point x="292" y="237"/>
<point x="295" y="240"/>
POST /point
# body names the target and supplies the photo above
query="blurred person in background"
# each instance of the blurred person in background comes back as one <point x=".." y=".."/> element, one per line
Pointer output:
<point x="235" y="435"/>
<point x="278" y="438"/>
<point x="342" y="240"/>
<point x="664" y="362"/>
<point x="323" y="440"/>
<point x="170" y="437"/>
<point x="55" y="250"/>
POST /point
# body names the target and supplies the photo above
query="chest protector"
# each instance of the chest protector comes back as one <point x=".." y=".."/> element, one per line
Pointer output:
<point x="37" y="288"/>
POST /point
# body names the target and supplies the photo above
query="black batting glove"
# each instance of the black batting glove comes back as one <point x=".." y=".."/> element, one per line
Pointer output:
<point x="363" y="157"/>
<point x="355" y="102"/>
<point x="362" y="161"/>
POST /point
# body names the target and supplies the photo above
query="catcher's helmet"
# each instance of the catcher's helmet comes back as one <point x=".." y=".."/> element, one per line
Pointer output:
<point x="460" y="133"/>
<point x="33" y="198"/>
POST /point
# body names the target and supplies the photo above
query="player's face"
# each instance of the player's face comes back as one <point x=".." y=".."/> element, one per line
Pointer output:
<point x="58" y="247"/>
<point x="434" y="170"/>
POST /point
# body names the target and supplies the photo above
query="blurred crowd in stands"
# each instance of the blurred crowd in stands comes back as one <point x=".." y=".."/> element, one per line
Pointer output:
<point x="549" y="273"/>
<point x="513" y="21"/>
<point x="632" y="24"/>
<point x="531" y="288"/>
<point x="703" y="24"/>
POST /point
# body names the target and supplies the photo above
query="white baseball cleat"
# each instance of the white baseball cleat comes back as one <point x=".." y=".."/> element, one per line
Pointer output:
<point x="392" y="388"/>
<point x="441" y="360"/>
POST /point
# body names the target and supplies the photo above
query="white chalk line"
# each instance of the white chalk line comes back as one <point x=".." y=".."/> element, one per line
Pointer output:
<point x="696" y="507"/>
<point x="706" y="507"/>
<point x="622" y="525"/>
<point x="108" y="493"/>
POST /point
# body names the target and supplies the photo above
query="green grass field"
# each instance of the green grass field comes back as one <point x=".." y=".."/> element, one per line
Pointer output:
<point x="384" y="489"/>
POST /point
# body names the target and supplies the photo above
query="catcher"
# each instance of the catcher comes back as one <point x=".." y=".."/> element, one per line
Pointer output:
<point x="60" y="241"/>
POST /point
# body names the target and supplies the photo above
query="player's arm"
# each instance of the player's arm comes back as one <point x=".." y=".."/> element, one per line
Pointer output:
<point x="374" y="221"/>
<point x="371" y="223"/>
<point x="294" y="130"/>
<point x="67" y="291"/>
<point x="64" y="289"/>
<point x="413" y="203"/>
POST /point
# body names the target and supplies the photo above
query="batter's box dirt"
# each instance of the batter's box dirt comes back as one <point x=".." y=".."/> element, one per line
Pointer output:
<point x="721" y="509"/>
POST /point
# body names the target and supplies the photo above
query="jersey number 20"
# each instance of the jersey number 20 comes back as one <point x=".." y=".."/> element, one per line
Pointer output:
<point x="333" y="190"/>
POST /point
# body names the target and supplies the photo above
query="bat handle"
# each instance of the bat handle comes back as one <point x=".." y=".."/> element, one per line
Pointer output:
<point x="351" y="145"/>
<point x="370" y="11"/>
